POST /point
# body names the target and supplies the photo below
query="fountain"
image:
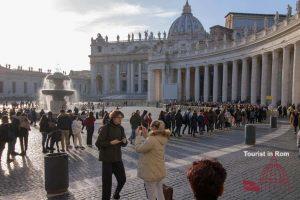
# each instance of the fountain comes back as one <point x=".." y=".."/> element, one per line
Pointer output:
<point x="57" y="87"/>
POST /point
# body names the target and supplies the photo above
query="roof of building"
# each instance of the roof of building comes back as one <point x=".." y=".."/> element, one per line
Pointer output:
<point x="254" y="14"/>
<point x="21" y="71"/>
<point x="83" y="74"/>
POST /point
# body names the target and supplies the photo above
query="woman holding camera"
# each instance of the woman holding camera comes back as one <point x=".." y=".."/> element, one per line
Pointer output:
<point x="151" y="163"/>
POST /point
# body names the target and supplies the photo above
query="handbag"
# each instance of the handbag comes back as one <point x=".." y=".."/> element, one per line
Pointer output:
<point x="168" y="192"/>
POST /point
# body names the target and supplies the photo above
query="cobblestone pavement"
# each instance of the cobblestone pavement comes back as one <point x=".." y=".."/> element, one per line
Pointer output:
<point x="24" y="178"/>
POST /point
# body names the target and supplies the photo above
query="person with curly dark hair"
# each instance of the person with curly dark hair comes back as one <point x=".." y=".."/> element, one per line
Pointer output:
<point x="207" y="179"/>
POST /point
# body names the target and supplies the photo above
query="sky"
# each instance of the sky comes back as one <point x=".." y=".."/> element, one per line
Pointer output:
<point x="56" y="34"/>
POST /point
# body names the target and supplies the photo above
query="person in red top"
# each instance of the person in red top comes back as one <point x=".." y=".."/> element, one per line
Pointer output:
<point x="90" y="126"/>
<point x="148" y="120"/>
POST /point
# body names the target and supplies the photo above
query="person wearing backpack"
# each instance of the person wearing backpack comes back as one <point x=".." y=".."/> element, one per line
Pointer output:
<point x="109" y="142"/>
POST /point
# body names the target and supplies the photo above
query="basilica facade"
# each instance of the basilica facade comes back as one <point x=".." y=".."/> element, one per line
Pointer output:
<point x="253" y="58"/>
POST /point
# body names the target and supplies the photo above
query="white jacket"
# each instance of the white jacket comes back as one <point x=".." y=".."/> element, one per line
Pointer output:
<point x="76" y="127"/>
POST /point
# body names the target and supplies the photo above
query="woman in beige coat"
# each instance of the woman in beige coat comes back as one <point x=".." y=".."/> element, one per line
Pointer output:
<point x="151" y="163"/>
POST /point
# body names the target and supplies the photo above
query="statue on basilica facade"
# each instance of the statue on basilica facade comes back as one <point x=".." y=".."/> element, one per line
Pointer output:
<point x="146" y="35"/>
<point x="255" y="28"/>
<point x="128" y="37"/>
<point x="289" y="11"/>
<point x="276" y="18"/>
<point x="266" y="23"/>
<point x="132" y="37"/>
<point x="118" y="38"/>
<point x="140" y="36"/>
<point x="151" y="36"/>
<point x="165" y="35"/>
<point x="106" y="39"/>
<point x="159" y="35"/>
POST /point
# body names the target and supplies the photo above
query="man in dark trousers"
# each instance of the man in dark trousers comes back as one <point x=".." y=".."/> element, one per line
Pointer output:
<point x="110" y="140"/>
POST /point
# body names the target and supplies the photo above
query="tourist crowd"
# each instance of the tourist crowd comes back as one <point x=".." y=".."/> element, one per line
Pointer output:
<point x="148" y="136"/>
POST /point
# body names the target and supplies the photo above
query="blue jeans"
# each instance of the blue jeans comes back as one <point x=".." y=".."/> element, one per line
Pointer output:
<point x="132" y="136"/>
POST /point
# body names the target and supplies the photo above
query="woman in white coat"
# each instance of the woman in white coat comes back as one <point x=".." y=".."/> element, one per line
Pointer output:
<point x="151" y="163"/>
<point x="76" y="129"/>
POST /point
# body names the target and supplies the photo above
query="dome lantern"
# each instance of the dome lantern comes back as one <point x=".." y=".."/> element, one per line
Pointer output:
<point x="187" y="8"/>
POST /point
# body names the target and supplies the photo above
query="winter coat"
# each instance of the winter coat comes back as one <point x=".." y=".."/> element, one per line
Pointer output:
<point x="6" y="133"/>
<point x="147" y="120"/>
<point x="24" y="122"/>
<point x="63" y="122"/>
<point x="135" y="121"/>
<point x="76" y="127"/>
<point x="151" y="163"/>
<point x="44" y="125"/>
<point x="194" y="120"/>
<point x="178" y="119"/>
<point x="89" y="122"/>
<point x="108" y="152"/>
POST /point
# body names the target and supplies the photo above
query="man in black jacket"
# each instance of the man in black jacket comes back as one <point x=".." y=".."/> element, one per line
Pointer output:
<point x="110" y="140"/>
<point x="63" y="124"/>
<point x="135" y="121"/>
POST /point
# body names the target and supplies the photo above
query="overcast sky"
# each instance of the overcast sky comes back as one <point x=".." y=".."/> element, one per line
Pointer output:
<point x="55" y="34"/>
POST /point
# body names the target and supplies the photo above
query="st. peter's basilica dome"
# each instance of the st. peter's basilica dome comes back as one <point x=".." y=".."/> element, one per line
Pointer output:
<point x="187" y="26"/>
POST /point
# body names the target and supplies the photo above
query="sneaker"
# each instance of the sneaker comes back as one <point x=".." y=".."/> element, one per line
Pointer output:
<point x="45" y="151"/>
<point x="116" y="196"/>
<point x="82" y="148"/>
<point x="23" y="153"/>
<point x="76" y="147"/>
<point x="14" y="153"/>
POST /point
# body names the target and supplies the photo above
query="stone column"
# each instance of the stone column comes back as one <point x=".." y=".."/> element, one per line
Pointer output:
<point x="274" y="80"/>
<point x="132" y="77"/>
<point x="234" y="90"/>
<point x="197" y="84"/>
<point x="296" y="75"/>
<point x="286" y="68"/>
<point x="140" y="79"/>
<point x="106" y="79"/>
<point x="264" y="78"/>
<point x="225" y="83"/>
<point x="254" y="80"/>
<point x="187" y="83"/>
<point x="179" y="84"/>
<point x="245" y="80"/>
<point x="93" y="81"/>
<point x="117" y="78"/>
<point x="163" y="82"/>
<point x="206" y="83"/>
<point x="151" y="89"/>
<point x="216" y="83"/>
<point x="128" y="78"/>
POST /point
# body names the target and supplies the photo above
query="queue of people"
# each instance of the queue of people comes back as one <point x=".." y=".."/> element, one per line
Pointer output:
<point x="148" y="136"/>
<point x="206" y="177"/>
